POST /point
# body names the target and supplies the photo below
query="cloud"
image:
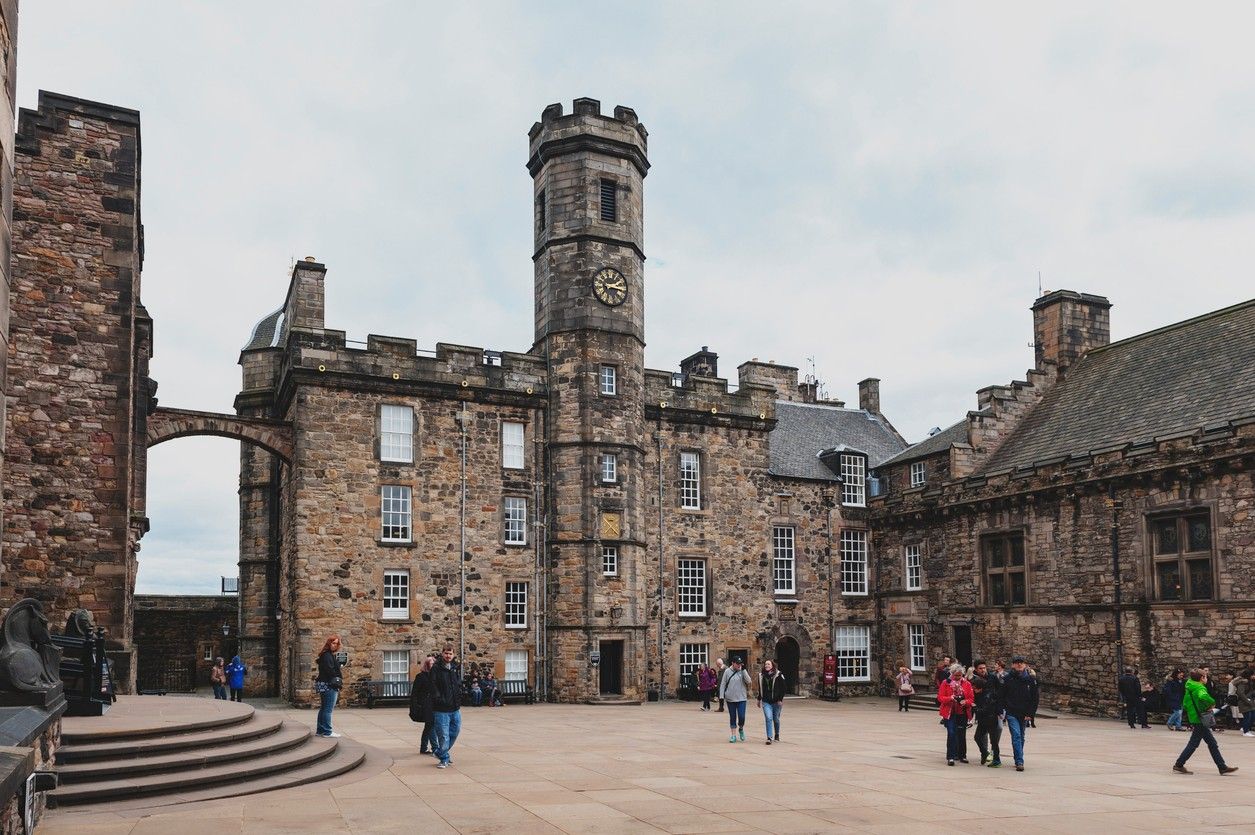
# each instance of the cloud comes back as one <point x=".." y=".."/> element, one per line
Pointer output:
<point x="876" y="186"/>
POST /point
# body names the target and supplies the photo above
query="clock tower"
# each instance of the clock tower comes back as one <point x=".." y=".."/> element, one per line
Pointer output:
<point x="588" y="170"/>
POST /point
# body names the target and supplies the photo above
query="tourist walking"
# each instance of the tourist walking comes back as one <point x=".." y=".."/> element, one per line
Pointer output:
<point x="420" y="705"/>
<point x="985" y="686"/>
<point x="1198" y="705"/>
<point x="720" y="669"/>
<point x="218" y="678"/>
<point x="771" y="689"/>
<point x="707" y="681"/>
<point x="906" y="689"/>
<point x="1173" y="694"/>
<point x="734" y="690"/>
<point x="327" y="684"/>
<point x="1130" y="687"/>
<point x="446" y="704"/>
<point x="955" y="697"/>
<point x="941" y="674"/>
<point x="1020" y="695"/>
<point x="1244" y="689"/>
<point x="235" y="672"/>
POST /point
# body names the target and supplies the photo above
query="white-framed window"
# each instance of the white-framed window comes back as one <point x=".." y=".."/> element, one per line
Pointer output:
<point x="610" y="560"/>
<point x="609" y="467"/>
<point x="915" y="645"/>
<point x="690" y="481"/>
<point x="515" y="518"/>
<point x="693" y="656"/>
<point x="395" y="513"/>
<point x="512" y="445"/>
<point x="396" y="665"/>
<point x="691" y="587"/>
<point x="516" y="605"/>
<point x="516" y="665"/>
<point x="914" y="569"/>
<point x="854" y="562"/>
<point x="207" y="652"/>
<point x="396" y="594"/>
<point x="396" y="434"/>
<point x="853" y="479"/>
<point x="853" y="645"/>
<point x="917" y="474"/>
<point x="783" y="573"/>
<point x="608" y="380"/>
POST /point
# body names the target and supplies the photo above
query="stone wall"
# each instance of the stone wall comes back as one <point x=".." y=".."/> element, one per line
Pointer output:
<point x="78" y="356"/>
<point x="8" y="88"/>
<point x="185" y="628"/>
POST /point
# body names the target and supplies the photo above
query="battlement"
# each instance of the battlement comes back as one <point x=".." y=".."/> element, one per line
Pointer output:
<point x="706" y="397"/>
<point x="586" y="129"/>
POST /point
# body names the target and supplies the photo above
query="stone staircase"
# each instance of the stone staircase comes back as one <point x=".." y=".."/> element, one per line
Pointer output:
<point x="173" y="749"/>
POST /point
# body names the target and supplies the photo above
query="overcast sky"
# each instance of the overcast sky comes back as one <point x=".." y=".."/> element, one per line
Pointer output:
<point x="876" y="186"/>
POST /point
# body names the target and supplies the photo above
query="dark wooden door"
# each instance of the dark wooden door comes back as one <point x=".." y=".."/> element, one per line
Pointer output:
<point x="963" y="645"/>
<point x="611" y="667"/>
<point x="788" y="659"/>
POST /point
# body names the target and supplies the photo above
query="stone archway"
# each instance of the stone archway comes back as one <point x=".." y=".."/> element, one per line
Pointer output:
<point x="781" y="642"/>
<point x="271" y="435"/>
<point x="788" y="659"/>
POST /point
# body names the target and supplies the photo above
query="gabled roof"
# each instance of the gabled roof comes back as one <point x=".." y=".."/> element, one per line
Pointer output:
<point x="803" y="430"/>
<point x="1183" y="377"/>
<point x="956" y="434"/>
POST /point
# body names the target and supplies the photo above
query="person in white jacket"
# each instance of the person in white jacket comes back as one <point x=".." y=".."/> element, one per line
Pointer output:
<point x="734" y="689"/>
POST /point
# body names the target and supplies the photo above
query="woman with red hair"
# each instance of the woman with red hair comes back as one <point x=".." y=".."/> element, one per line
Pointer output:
<point x="327" y="684"/>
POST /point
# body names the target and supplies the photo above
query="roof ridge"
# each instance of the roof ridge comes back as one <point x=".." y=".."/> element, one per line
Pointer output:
<point x="1171" y="326"/>
<point x="819" y="406"/>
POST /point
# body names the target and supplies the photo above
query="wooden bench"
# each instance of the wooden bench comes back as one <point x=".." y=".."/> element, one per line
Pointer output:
<point x="517" y="690"/>
<point x="384" y="692"/>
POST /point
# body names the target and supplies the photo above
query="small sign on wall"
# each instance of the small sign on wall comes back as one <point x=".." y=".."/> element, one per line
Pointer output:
<point x="594" y="657"/>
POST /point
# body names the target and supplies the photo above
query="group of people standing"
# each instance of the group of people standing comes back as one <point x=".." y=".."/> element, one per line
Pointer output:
<point x="733" y="684"/>
<point x="223" y="676"/>
<point x="990" y="698"/>
<point x="1235" y="692"/>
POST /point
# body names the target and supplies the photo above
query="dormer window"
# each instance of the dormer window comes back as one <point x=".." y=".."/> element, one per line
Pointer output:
<point x="853" y="479"/>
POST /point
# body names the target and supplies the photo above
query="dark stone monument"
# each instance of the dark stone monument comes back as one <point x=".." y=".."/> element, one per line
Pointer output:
<point x="30" y="663"/>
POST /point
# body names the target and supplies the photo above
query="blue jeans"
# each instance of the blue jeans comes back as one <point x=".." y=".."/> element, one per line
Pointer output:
<point x="220" y="691"/>
<point x="448" y="725"/>
<point x="956" y="738"/>
<point x="1018" y="727"/>
<point x="736" y="714"/>
<point x="327" y="703"/>
<point x="477" y="698"/>
<point x="1174" y="720"/>
<point x="1248" y="721"/>
<point x="1201" y="733"/>
<point x="771" y="714"/>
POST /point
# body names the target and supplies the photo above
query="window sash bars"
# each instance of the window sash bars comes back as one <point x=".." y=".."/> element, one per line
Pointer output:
<point x="396" y="434"/>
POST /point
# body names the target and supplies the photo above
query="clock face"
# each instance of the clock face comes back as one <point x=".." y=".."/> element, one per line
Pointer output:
<point x="610" y="287"/>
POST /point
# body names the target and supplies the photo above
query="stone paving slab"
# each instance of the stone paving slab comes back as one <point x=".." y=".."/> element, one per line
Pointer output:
<point x="855" y="766"/>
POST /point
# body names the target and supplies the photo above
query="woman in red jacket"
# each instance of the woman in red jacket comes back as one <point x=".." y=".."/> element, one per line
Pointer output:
<point x="956" y="698"/>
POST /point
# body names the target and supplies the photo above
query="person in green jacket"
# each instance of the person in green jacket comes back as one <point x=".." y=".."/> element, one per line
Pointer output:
<point x="1197" y="705"/>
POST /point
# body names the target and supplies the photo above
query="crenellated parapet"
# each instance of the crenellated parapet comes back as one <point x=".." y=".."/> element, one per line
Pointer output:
<point x="707" y="399"/>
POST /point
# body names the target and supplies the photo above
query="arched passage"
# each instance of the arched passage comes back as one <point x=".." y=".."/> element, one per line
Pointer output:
<point x="271" y="435"/>
<point x="788" y="657"/>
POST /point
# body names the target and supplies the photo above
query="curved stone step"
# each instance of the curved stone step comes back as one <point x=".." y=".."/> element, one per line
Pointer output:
<point x="257" y="770"/>
<point x="346" y="756"/>
<point x="260" y="725"/>
<point x="208" y="754"/>
<point x="140" y="717"/>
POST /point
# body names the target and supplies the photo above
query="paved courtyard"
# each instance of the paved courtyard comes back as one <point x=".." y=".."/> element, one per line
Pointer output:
<point x="856" y="766"/>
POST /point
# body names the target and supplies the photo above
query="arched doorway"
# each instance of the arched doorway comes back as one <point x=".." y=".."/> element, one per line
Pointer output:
<point x="788" y="657"/>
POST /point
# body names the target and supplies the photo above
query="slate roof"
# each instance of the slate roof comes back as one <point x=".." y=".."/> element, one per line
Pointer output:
<point x="1194" y="374"/>
<point x="956" y="434"/>
<point x="265" y="333"/>
<point x="802" y="430"/>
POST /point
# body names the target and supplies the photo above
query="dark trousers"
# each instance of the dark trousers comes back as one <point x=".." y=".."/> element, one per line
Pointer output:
<point x="956" y="737"/>
<point x="1201" y="733"/>
<point x="706" y="694"/>
<point x="426" y="743"/>
<point x="988" y="734"/>
<point x="1135" y="712"/>
<point x="904" y="702"/>
<point x="237" y="694"/>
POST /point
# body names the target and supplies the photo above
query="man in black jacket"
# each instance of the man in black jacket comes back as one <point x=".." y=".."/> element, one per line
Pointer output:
<point x="1130" y="687"/>
<point x="1019" y="701"/>
<point x="446" y="704"/>
<point x="988" y="707"/>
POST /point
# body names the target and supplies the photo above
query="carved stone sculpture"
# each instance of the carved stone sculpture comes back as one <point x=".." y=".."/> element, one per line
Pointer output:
<point x="80" y="624"/>
<point x="29" y="661"/>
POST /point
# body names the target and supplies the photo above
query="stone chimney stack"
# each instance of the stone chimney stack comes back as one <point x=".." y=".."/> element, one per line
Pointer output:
<point x="869" y="395"/>
<point x="701" y="364"/>
<point x="1067" y="325"/>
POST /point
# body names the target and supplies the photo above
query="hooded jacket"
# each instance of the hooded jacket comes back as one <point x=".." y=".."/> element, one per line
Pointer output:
<point x="1173" y="693"/>
<point x="1197" y="700"/>
<point x="235" y="673"/>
